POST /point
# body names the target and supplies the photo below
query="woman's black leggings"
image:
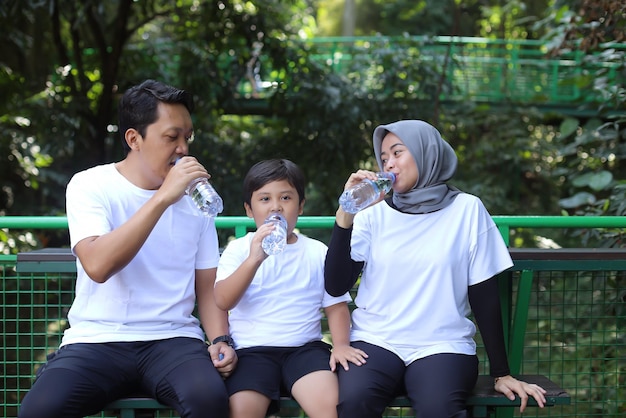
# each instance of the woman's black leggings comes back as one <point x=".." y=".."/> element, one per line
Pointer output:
<point x="437" y="386"/>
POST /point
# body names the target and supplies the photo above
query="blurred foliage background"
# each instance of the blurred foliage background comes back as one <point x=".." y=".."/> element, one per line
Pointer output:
<point x="65" y="64"/>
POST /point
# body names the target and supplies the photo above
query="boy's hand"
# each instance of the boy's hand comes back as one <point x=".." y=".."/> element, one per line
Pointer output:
<point x="256" y="248"/>
<point x="346" y="353"/>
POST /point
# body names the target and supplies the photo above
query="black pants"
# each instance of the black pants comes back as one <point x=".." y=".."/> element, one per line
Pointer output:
<point x="80" y="379"/>
<point x="438" y="385"/>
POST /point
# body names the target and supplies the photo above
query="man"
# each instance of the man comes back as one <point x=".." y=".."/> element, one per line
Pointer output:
<point x="144" y="256"/>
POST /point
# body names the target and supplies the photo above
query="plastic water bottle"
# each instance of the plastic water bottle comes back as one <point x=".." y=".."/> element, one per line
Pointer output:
<point x="205" y="197"/>
<point x="363" y="194"/>
<point x="275" y="242"/>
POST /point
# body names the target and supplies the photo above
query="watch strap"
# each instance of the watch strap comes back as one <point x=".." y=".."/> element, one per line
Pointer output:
<point x="224" y="339"/>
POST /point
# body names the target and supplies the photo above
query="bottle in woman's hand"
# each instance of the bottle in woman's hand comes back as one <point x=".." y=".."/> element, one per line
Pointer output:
<point x="363" y="194"/>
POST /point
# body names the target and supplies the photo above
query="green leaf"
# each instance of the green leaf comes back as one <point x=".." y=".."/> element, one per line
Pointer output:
<point x="579" y="199"/>
<point x="596" y="180"/>
<point x="568" y="127"/>
<point x="600" y="180"/>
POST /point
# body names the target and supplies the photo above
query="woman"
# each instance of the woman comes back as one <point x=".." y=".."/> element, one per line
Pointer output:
<point x="428" y="257"/>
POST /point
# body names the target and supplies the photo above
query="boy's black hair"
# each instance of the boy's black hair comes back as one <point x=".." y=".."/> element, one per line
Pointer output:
<point x="138" y="106"/>
<point x="267" y="171"/>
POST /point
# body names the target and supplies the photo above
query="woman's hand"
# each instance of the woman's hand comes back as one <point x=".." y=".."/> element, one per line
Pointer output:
<point x="510" y="386"/>
<point x="359" y="176"/>
<point x="343" y="218"/>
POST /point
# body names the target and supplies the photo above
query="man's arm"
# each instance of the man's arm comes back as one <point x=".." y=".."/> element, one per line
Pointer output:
<point x="104" y="255"/>
<point x="214" y="321"/>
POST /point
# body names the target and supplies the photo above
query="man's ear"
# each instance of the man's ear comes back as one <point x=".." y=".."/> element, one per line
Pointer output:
<point x="132" y="138"/>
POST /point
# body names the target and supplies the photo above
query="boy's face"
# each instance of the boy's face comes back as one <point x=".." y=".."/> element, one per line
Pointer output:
<point x="276" y="196"/>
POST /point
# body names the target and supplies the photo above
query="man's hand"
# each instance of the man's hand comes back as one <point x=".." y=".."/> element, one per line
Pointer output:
<point x="180" y="175"/>
<point x="224" y="358"/>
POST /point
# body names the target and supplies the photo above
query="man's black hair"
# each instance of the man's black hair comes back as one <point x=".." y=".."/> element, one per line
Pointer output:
<point x="138" y="106"/>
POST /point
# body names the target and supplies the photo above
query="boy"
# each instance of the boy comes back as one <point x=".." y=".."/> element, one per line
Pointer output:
<point x="275" y="306"/>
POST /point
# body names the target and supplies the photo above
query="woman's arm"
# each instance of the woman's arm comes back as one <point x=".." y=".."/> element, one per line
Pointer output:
<point x="340" y="271"/>
<point x="484" y="299"/>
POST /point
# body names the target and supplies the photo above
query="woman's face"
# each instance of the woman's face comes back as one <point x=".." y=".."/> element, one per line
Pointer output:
<point x="397" y="158"/>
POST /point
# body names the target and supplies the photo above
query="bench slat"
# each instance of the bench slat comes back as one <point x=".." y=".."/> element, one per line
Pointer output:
<point x="483" y="399"/>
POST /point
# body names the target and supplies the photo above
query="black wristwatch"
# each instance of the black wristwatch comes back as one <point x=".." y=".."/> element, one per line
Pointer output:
<point x="224" y="339"/>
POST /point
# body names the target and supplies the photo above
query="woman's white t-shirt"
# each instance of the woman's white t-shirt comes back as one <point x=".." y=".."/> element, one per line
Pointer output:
<point x="413" y="294"/>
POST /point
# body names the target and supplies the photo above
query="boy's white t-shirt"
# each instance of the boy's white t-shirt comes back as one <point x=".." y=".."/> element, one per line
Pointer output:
<point x="412" y="298"/>
<point x="153" y="297"/>
<point x="282" y="306"/>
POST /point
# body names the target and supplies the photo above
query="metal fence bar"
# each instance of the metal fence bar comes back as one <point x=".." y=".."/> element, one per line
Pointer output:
<point x="575" y="318"/>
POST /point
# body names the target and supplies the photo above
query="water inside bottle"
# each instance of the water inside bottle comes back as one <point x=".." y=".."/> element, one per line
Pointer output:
<point x="365" y="193"/>
<point x="206" y="198"/>
<point x="276" y="241"/>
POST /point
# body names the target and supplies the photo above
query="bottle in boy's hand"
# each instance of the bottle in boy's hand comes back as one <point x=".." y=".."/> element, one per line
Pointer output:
<point x="204" y="196"/>
<point x="275" y="242"/>
<point x="363" y="194"/>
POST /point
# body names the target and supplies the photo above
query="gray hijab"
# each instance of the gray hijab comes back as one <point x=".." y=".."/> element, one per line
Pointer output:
<point x="436" y="164"/>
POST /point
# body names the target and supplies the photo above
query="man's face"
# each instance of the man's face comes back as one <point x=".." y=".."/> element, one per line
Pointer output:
<point x="166" y="140"/>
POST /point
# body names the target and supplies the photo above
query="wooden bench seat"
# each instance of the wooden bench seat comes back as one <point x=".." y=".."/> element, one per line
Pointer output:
<point x="482" y="403"/>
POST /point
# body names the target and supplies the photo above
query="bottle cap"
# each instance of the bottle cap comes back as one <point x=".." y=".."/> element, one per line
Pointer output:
<point x="275" y="216"/>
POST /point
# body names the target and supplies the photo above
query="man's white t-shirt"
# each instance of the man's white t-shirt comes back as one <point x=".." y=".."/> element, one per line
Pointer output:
<point x="153" y="297"/>
<point x="282" y="306"/>
<point x="412" y="298"/>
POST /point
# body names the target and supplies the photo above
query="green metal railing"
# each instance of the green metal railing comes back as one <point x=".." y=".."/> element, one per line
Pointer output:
<point x="474" y="68"/>
<point x="241" y="224"/>
<point x="566" y="318"/>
